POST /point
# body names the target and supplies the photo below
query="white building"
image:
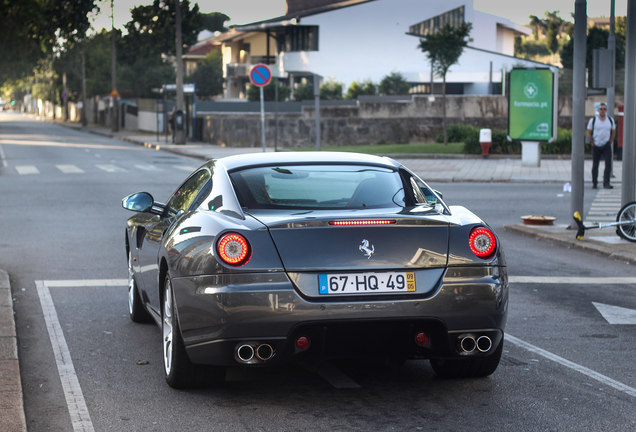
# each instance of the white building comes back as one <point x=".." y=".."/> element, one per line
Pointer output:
<point x="357" y="40"/>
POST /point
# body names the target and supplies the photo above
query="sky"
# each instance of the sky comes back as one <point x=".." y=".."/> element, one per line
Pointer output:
<point x="247" y="11"/>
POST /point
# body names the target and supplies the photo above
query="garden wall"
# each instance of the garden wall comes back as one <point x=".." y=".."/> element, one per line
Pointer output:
<point x="369" y="120"/>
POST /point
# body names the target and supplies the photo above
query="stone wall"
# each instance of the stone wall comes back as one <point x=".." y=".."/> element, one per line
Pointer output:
<point x="369" y="121"/>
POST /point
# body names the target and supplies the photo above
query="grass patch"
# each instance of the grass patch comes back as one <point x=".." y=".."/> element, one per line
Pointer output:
<point x="424" y="148"/>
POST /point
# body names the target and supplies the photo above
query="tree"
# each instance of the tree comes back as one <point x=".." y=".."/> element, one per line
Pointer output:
<point x="31" y="29"/>
<point x="214" y="21"/>
<point x="331" y="90"/>
<point x="596" y="38"/>
<point x="151" y="31"/>
<point x="304" y="92"/>
<point x="554" y="26"/>
<point x="269" y="93"/>
<point x="208" y="76"/>
<point x="394" y="84"/>
<point x="358" y="89"/>
<point x="443" y="49"/>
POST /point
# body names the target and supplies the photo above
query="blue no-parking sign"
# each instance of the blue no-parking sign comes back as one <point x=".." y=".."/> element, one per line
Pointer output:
<point x="260" y="75"/>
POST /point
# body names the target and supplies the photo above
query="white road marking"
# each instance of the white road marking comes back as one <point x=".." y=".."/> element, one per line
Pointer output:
<point x="110" y="168"/>
<point x="78" y="410"/>
<point x="70" y="169"/>
<point x="85" y="283"/>
<point x="574" y="366"/>
<point x="147" y="167"/>
<point x="26" y="169"/>
<point x="80" y="417"/>
<point x="185" y="168"/>
<point x="573" y="280"/>
<point x="3" y="158"/>
<point x="616" y="314"/>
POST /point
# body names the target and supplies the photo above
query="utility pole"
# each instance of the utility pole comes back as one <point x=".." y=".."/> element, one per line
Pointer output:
<point x="629" y="129"/>
<point x="83" y="112"/>
<point x="180" y="137"/>
<point x="579" y="92"/>
<point x="113" y="72"/>
<point x="611" y="47"/>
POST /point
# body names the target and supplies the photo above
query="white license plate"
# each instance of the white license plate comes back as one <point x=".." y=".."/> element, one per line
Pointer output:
<point x="366" y="283"/>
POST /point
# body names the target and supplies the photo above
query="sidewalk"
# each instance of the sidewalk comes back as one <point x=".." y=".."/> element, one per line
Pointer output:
<point x="433" y="168"/>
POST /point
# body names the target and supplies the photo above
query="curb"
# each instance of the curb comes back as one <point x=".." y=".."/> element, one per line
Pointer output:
<point x="567" y="238"/>
<point x="11" y="402"/>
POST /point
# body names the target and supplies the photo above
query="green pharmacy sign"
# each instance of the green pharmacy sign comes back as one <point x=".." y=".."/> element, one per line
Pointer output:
<point x="532" y="100"/>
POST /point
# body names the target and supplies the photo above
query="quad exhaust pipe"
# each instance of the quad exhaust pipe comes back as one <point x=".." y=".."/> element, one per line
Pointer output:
<point x="254" y="353"/>
<point x="468" y="344"/>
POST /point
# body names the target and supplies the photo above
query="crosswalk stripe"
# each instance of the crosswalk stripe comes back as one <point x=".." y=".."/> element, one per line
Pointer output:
<point x="70" y="169"/>
<point x="147" y="167"/>
<point x="110" y="168"/>
<point x="605" y="206"/>
<point x="26" y="169"/>
<point x="185" y="168"/>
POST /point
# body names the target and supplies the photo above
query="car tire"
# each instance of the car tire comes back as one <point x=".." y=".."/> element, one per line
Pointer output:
<point x="476" y="367"/>
<point x="180" y="372"/>
<point x="136" y="309"/>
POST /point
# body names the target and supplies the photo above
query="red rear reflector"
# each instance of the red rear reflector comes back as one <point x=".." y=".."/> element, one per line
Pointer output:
<point x="421" y="339"/>
<point x="233" y="249"/>
<point x="302" y="343"/>
<point x="362" y="222"/>
<point x="482" y="242"/>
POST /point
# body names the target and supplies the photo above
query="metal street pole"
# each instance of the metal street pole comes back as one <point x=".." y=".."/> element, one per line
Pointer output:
<point x="83" y="112"/>
<point x="578" y="106"/>
<point x="629" y="129"/>
<point x="317" y="108"/>
<point x="611" y="91"/>
<point x="113" y="71"/>
<point x="611" y="47"/>
<point x="180" y="137"/>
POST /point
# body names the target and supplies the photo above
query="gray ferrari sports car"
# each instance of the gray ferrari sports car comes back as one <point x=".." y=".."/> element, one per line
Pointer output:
<point x="265" y="258"/>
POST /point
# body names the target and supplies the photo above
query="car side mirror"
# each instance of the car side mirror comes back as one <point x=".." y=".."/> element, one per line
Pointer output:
<point x="138" y="202"/>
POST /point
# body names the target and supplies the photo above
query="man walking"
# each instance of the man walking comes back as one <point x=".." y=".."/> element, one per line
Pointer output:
<point x="602" y="131"/>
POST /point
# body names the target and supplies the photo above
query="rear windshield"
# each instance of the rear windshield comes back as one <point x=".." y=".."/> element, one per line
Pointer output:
<point x="318" y="187"/>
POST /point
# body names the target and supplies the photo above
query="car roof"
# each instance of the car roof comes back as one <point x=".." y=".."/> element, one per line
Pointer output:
<point x="274" y="158"/>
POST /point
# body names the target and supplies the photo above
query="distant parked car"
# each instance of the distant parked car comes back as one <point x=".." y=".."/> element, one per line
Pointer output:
<point x="271" y="257"/>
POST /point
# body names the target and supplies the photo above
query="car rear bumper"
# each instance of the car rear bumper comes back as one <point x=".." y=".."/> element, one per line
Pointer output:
<point x="220" y="314"/>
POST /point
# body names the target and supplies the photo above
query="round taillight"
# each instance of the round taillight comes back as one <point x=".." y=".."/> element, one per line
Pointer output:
<point x="233" y="249"/>
<point x="482" y="242"/>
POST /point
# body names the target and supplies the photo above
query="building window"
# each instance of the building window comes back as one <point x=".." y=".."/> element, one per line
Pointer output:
<point x="454" y="18"/>
<point x="298" y="38"/>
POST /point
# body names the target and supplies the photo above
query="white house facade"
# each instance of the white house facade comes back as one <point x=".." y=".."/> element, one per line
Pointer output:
<point x="349" y="41"/>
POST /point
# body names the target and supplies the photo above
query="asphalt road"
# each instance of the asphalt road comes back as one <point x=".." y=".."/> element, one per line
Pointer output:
<point x="565" y="367"/>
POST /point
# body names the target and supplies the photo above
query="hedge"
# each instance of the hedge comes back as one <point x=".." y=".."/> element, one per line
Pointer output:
<point x="469" y="135"/>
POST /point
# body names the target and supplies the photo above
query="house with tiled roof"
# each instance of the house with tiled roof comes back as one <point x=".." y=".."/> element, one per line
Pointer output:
<point x="358" y="40"/>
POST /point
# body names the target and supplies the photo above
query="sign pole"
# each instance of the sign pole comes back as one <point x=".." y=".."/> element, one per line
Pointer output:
<point x="260" y="76"/>
<point x="262" y="118"/>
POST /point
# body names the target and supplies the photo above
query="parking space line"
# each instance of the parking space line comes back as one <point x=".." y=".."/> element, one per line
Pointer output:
<point x="80" y="417"/>
<point x="574" y="366"/>
<point x="3" y="158"/>
<point x="573" y="280"/>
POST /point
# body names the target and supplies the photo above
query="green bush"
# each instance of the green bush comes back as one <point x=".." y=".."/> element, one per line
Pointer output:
<point x="458" y="132"/>
<point x="501" y="145"/>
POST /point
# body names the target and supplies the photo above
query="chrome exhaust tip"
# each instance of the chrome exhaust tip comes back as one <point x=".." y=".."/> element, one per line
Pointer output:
<point x="264" y="352"/>
<point x="468" y="344"/>
<point x="484" y="344"/>
<point x="245" y="353"/>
